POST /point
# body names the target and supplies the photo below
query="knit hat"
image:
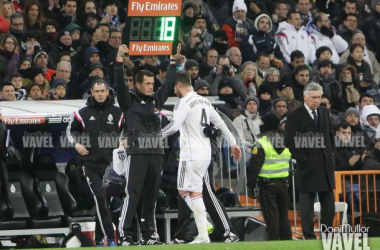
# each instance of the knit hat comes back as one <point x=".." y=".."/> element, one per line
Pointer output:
<point x="73" y="26"/>
<point x="38" y="53"/>
<point x="283" y="85"/>
<point x="265" y="88"/>
<point x="239" y="5"/>
<point x="34" y="71"/>
<point x="374" y="3"/>
<point x="223" y="83"/>
<point x="220" y="35"/>
<point x="51" y="23"/>
<point x="251" y="98"/>
<point x="191" y="63"/>
<point x="351" y="111"/>
<point x="29" y="35"/>
<point x="258" y="19"/>
<point x="322" y="49"/>
<point x="271" y="122"/>
<point x="57" y="82"/>
<point x="21" y="61"/>
<point x="164" y="65"/>
<point x="279" y="99"/>
<point x="200" y="83"/>
<point x="200" y="16"/>
<point x="96" y="65"/>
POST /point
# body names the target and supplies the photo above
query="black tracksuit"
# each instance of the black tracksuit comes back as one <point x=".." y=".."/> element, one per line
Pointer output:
<point x="97" y="121"/>
<point x="144" y="173"/>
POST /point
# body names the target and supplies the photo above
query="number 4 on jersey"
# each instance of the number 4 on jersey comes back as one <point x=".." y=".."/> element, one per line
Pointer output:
<point x="204" y="118"/>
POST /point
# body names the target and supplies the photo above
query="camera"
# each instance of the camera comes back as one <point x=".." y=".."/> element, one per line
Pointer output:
<point x="225" y="70"/>
<point x="211" y="132"/>
<point x="324" y="104"/>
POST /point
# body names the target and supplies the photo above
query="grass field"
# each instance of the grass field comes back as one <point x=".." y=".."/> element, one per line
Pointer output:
<point x="374" y="244"/>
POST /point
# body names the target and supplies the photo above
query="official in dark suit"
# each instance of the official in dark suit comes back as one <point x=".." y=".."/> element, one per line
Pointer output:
<point x="310" y="138"/>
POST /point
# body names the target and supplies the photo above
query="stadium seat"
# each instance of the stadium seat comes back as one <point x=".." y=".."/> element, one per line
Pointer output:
<point x="340" y="207"/>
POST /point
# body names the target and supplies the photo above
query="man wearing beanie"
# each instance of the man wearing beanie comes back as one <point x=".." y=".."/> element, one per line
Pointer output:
<point x="212" y="24"/>
<point x="96" y="70"/>
<point x="269" y="171"/>
<point x="200" y="22"/>
<point x="238" y="25"/>
<point x="220" y="42"/>
<point x="192" y="68"/>
<point x="226" y="93"/>
<point x="352" y="117"/>
<point x="371" y="28"/>
<point x="41" y="59"/>
<point x="202" y="87"/>
<point x="265" y="95"/>
<point x="248" y="123"/>
<point x="285" y="90"/>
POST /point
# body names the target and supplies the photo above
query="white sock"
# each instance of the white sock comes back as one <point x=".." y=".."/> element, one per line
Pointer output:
<point x="200" y="216"/>
<point x="187" y="199"/>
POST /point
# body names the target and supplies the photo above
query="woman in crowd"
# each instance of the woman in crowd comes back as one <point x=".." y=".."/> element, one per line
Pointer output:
<point x="9" y="55"/>
<point x="33" y="16"/>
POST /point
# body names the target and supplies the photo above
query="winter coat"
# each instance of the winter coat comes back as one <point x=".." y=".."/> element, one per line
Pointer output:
<point x="248" y="127"/>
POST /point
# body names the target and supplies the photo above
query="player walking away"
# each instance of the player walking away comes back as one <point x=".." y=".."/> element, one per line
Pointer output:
<point x="192" y="114"/>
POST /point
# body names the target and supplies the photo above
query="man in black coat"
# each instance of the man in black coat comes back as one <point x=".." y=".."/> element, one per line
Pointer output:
<point x="309" y="137"/>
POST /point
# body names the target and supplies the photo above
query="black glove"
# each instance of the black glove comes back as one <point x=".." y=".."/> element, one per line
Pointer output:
<point x="327" y="31"/>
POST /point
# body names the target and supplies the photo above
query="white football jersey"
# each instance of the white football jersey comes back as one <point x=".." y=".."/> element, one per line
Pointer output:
<point x="191" y="113"/>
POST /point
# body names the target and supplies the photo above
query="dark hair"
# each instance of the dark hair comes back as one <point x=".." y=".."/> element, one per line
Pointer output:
<point x="82" y="7"/>
<point x="183" y="77"/>
<point x="129" y="72"/>
<point x="98" y="81"/>
<point x="350" y="14"/>
<point x="317" y="18"/>
<point x="114" y="30"/>
<point x="105" y="3"/>
<point x="280" y="2"/>
<point x="301" y="68"/>
<point x="343" y="124"/>
<point x="296" y="54"/>
<point x="297" y="1"/>
<point x="290" y="13"/>
<point x="14" y="75"/>
<point x="324" y="63"/>
<point x="64" y="2"/>
<point x="223" y="57"/>
<point x="65" y="53"/>
<point x="6" y="84"/>
<point x="15" y="16"/>
<point x="103" y="24"/>
<point x="261" y="54"/>
<point x="354" y="46"/>
<point x="140" y="75"/>
<point x="326" y="97"/>
<point x="208" y="51"/>
<point x="350" y="1"/>
<point x="31" y="86"/>
<point x="366" y="95"/>
<point x="28" y="5"/>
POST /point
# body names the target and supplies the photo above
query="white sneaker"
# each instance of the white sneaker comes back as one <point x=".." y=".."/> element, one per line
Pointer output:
<point x="199" y="240"/>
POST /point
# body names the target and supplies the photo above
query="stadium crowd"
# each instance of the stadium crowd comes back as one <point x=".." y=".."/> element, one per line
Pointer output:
<point x="256" y="55"/>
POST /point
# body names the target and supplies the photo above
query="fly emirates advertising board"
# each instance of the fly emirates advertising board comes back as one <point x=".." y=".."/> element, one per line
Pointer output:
<point x="152" y="26"/>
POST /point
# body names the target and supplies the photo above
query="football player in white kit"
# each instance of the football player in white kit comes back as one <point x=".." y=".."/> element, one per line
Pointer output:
<point x="192" y="113"/>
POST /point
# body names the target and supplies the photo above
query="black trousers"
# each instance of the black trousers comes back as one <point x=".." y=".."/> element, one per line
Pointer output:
<point x="214" y="207"/>
<point x="94" y="178"/>
<point x="144" y="178"/>
<point x="274" y="206"/>
<point x="326" y="198"/>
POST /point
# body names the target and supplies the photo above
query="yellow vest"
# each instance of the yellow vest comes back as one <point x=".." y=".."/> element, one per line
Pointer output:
<point x="275" y="165"/>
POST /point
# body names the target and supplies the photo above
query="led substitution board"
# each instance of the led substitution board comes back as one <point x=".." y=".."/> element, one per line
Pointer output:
<point x="152" y="26"/>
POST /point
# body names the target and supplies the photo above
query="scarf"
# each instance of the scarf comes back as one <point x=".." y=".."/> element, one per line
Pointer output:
<point x="230" y="99"/>
<point x="352" y="94"/>
<point x="241" y="30"/>
<point x="220" y="47"/>
<point x="7" y="54"/>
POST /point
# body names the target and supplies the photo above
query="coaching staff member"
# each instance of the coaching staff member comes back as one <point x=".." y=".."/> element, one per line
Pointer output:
<point x="315" y="163"/>
<point x="142" y="123"/>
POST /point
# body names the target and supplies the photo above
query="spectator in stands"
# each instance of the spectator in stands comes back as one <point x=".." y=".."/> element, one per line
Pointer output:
<point x="250" y="78"/>
<point x="235" y="57"/>
<point x="201" y="23"/>
<point x="64" y="72"/>
<point x="17" y="27"/>
<point x="302" y="77"/>
<point x="68" y="13"/>
<point x="220" y="42"/>
<point x="29" y="43"/>
<point x="91" y="55"/>
<point x="24" y="63"/>
<point x="86" y="7"/>
<point x="347" y="156"/>
<point x="161" y="74"/>
<point x="189" y="10"/>
<point x="291" y="36"/>
<point x="192" y="68"/>
<point x="75" y="32"/>
<point x="287" y="72"/>
<point x="279" y="108"/>
<point x="202" y="87"/>
<point x="347" y="78"/>
<point x="272" y="77"/>
<point x="92" y="21"/>
<point x="369" y="56"/>
<point x="265" y="96"/>
<point x="304" y="7"/>
<point x="371" y="28"/>
<point x="108" y="50"/>
<point x="238" y="25"/>
<point x="352" y="117"/>
<point x="65" y="56"/>
<point x="322" y="53"/>
<point x="227" y="94"/>
<point x="35" y="75"/>
<point x="248" y="123"/>
<point x="194" y="49"/>
<point x="331" y="87"/>
<point x="371" y="114"/>
<point x="208" y="62"/>
<point x="34" y="92"/>
<point x="324" y="35"/>
<point x="6" y="10"/>
<point x="40" y="59"/>
<point x="260" y="40"/>
<point x="130" y="78"/>
<point x="371" y="160"/>
<point x="64" y="44"/>
<point x="349" y="27"/>
<point x="334" y="115"/>
<point x="33" y="16"/>
<point x="96" y="71"/>
<point x="262" y="64"/>
<point x="7" y="92"/>
<point x="224" y="70"/>
<point x="111" y="14"/>
<point x="280" y="12"/>
<point x="58" y="90"/>
<point x="16" y="79"/>
<point x="349" y="7"/>
<point x="220" y="9"/>
<point x="212" y="24"/>
<point x="9" y="55"/>
<point x="50" y="31"/>
<point x="364" y="100"/>
<point x="363" y="69"/>
<point x="285" y="90"/>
